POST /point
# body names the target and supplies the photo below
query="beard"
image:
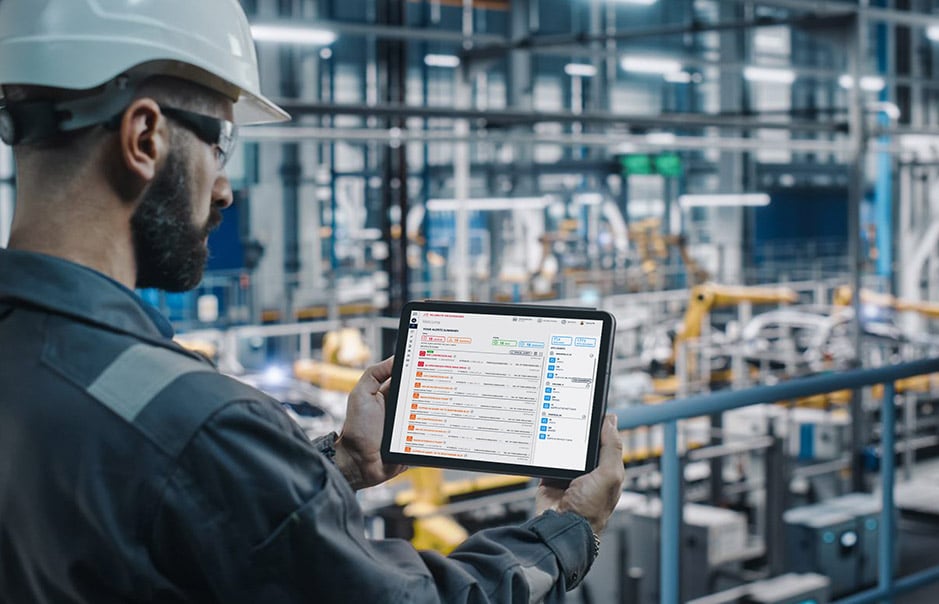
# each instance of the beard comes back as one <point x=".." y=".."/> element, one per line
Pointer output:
<point x="170" y="249"/>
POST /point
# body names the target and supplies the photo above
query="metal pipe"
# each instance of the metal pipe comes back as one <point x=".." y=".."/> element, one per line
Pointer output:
<point x="777" y="495"/>
<point x="821" y="469"/>
<point x="391" y="32"/>
<point x="888" y="458"/>
<point x="580" y="40"/>
<point x="611" y="139"/>
<point x="858" y="137"/>
<point x="723" y="450"/>
<point x="670" y="560"/>
<point x="901" y="586"/>
<point x="913" y="19"/>
<point x="725" y="400"/>
<point x="909" y="424"/>
<point x="494" y="117"/>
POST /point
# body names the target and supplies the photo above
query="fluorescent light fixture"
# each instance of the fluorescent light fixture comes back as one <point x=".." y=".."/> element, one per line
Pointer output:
<point x="723" y="200"/>
<point x="678" y="77"/>
<point x="660" y="138"/>
<point x="890" y="109"/>
<point x="449" y="61"/>
<point x="580" y="69"/>
<point x="637" y="2"/>
<point x="769" y="74"/>
<point x="868" y="83"/>
<point x="588" y="199"/>
<point x="274" y="376"/>
<point x="489" y="203"/>
<point x="933" y="33"/>
<point x="654" y="65"/>
<point x="773" y="40"/>
<point x="288" y="34"/>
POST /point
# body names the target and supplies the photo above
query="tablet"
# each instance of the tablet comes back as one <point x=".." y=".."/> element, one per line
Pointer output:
<point x="499" y="388"/>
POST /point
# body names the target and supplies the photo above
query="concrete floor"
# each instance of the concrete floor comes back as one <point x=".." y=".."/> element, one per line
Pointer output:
<point x="919" y="549"/>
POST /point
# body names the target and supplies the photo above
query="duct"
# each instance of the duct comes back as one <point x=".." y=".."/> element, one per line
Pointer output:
<point x="637" y="143"/>
<point x="517" y="116"/>
<point x="567" y="41"/>
<point x="393" y="32"/>
<point x="898" y="17"/>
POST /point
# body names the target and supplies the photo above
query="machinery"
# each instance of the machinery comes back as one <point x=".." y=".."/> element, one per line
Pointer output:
<point x="653" y="246"/>
<point x="791" y="588"/>
<point x="702" y="300"/>
<point x="431" y="526"/>
<point x="837" y="538"/>
<point x="713" y="539"/>
<point x="344" y="355"/>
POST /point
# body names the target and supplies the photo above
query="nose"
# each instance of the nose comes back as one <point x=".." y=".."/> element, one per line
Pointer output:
<point x="222" y="196"/>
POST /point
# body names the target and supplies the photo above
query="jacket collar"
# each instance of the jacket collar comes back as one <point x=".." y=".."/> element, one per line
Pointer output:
<point x="70" y="289"/>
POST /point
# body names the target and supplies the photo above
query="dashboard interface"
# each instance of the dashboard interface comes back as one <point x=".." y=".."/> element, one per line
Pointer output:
<point x="498" y="388"/>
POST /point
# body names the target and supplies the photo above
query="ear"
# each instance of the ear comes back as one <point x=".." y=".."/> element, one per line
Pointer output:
<point x="144" y="139"/>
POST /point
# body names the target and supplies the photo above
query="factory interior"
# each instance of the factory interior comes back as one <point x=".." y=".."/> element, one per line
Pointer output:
<point x="751" y="187"/>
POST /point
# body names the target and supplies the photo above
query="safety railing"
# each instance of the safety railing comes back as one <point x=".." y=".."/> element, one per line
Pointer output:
<point x="669" y="413"/>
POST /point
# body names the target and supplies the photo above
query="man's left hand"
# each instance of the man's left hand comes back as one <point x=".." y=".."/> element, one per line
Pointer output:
<point x="358" y="454"/>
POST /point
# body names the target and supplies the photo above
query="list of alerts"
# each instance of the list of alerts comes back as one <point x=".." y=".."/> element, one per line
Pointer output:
<point x="469" y="390"/>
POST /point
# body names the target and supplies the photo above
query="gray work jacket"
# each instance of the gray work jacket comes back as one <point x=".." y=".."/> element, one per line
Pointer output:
<point x="132" y="471"/>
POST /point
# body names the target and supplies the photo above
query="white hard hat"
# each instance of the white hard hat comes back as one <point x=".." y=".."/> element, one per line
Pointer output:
<point x="82" y="44"/>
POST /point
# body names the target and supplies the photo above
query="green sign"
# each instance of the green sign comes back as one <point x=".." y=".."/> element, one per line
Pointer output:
<point x="668" y="165"/>
<point x="636" y="164"/>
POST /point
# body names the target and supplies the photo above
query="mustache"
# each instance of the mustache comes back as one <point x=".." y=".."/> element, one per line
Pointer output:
<point x="214" y="220"/>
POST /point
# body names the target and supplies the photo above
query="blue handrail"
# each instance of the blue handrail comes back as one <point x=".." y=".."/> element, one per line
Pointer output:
<point x="668" y="414"/>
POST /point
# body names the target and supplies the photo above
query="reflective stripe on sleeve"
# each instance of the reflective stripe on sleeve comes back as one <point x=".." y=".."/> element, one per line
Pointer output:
<point x="137" y="375"/>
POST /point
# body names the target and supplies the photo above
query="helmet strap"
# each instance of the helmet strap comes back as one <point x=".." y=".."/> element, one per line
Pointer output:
<point x="32" y="121"/>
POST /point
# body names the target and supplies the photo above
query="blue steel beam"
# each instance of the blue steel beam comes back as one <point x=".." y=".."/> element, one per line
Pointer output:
<point x="669" y="571"/>
<point x="669" y="413"/>
<point x="887" y="472"/>
<point x="725" y="400"/>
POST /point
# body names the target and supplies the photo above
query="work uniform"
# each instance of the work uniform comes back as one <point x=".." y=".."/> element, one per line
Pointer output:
<point x="132" y="471"/>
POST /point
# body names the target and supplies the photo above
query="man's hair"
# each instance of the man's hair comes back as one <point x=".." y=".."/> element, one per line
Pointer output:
<point x="68" y="151"/>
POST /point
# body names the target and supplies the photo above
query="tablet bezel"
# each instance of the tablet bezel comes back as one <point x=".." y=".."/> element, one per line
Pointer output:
<point x="562" y="312"/>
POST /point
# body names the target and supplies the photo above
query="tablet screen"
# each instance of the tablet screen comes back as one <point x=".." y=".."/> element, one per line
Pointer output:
<point x="505" y="388"/>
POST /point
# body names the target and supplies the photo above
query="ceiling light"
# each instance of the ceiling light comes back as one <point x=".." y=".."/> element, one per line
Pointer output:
<point x="588" y="199"/>
<point x="773" y="40"/>
<point x="723" y="200"/>
<point x="660" y="138"/>
<point x="769" y="74"/>
<point x="449" y="61"/>
<point x="678" y="77"/>
<point x="933" y="33"/>
<point x="656" y="65"/>
<point x="580" y="69"/>
<point x="868" y="83"/>
<point x="288" y="34"/>
<point x="637" y="2"/>
<point x="891" y="110"/>
<point x="489" y="203"/>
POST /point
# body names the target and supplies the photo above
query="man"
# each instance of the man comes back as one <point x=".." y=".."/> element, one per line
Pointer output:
<point x="131" y="470"/>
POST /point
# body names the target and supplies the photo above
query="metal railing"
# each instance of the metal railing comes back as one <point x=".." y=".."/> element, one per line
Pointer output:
<point x="668" y="414"/>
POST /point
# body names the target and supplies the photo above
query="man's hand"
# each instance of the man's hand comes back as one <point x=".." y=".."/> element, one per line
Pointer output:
<point x="357" y="449"/>
<point x="592" y="495"/>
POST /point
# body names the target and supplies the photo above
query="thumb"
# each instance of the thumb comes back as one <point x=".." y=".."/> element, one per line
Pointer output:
<point x="376" y="374"/>
<point x="611" y="445"/>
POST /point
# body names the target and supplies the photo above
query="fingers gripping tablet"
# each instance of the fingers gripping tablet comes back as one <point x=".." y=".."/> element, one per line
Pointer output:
<point x="499" y="388"/>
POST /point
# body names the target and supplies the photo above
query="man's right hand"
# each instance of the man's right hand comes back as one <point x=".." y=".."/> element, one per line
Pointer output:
<point x="592" y="495"/>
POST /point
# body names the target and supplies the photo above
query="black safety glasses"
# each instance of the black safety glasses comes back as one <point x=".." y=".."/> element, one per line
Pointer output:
<point x="220" y="134"/>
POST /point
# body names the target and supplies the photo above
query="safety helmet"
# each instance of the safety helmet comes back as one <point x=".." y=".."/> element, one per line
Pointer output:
<point x="84" y="44"/>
